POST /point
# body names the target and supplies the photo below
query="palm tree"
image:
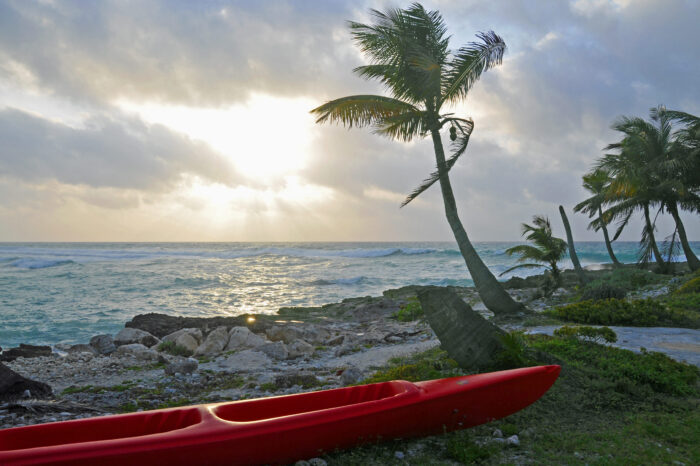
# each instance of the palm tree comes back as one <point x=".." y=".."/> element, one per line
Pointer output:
<point x="409" y="54"/>
<point x="547" y="250"/>
<point x="650" y="170"/>
<point x="596" y="183"/>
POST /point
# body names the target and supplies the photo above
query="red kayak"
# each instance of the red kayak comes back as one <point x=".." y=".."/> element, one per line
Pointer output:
<point x="279" y="429"/>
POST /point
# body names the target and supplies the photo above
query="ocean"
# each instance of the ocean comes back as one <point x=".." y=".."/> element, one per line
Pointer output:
<point x="68" y="292"/>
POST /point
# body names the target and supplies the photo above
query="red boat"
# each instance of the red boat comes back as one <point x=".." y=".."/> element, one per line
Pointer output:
<point x="279" y="429"/>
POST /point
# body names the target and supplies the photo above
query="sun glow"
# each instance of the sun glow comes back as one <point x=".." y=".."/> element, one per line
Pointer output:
<point x="266" y="138"/>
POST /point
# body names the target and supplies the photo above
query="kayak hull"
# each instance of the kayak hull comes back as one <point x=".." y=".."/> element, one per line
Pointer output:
<point x="282" y="429"/>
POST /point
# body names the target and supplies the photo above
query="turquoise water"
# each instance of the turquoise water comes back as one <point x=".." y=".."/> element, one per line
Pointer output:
<point x="68" y="292"/>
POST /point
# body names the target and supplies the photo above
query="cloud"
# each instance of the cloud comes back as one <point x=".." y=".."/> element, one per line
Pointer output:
<point x="112" y="151"/>
<point x="194" y="53"/>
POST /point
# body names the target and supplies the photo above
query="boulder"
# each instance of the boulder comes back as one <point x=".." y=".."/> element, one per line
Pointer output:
<point x="242" y="337"/>
<point x="351" y="375"/>
<point x="183" y="366"/>
<point x="276" y="350"/>
<point x="316" y="335"/>
<point x="162" y="324"/>
<point x="284" y="333"/>
<point x="81" y="348"/>
<point x="25" y="351"/>
<point x="193" y="332"/>
<point x="299" y="348"/>
<point x="103" y="344"/>
<point x="127" y="336"/>
<point x="189" y="338"/>
<point x="245" y="361"/>
<point x="14" y="386"/>
<point x="467" y="337"/>
<point x="214" y="343"/>
<point x="138" y="351"/>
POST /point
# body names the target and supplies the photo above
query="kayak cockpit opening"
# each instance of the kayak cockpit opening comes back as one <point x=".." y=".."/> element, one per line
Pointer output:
<point x="269" y="408"/>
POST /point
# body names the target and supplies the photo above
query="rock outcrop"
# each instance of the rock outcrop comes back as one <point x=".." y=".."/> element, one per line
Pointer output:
<point x="25" y="351"/>
<point x="14" y="386"/>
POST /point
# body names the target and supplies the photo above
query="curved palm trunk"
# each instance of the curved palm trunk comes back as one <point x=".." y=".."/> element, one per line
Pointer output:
<point x="690" y="256"/>
<point x="650" y="228"/>
<point x="572" y="250"/>
<point x="608" y="244"/>
<point x="490" y="290"/>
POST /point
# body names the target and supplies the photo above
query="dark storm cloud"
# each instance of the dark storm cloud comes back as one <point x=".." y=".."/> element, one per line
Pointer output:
<point x="195" y="53"/>
<point x="107" y="152"/>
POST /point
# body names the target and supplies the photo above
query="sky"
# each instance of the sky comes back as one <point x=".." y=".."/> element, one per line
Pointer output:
<point x="173" y="120"/>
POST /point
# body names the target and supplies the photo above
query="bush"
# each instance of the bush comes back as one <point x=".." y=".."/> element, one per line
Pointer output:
<point x="601" y="291"/>
<point x="640" y="313"/>
<point x="627" y="279"/>
<point x="410" y="312"/>
<point x="176" y="350"/>
<point x="685" y="303"/>
<point x="691" y="286"/>
<point x="593" y="334"/>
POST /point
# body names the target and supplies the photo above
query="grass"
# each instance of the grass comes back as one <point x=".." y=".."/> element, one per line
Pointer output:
<point x="176" y="350"/>
<point x="609" y="406"/>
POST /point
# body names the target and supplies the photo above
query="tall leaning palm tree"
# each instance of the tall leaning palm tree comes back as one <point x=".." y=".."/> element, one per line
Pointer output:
<point x="596" y="183"/>
<point x="409" y="54"/>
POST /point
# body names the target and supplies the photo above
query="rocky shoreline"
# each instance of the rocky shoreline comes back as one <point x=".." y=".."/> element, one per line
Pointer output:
<point x="159" y="361"/>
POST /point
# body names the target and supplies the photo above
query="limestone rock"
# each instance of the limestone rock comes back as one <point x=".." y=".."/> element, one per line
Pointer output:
<point x="242" y="337"/>
<point x="513" y="440"/>
<point x="247" y="360"/>
<point x="276" y="350"/>
<point x="183" y="366"/>
<point x="300" y="348"/>
<point x="189" y="338"/>
<point x="103" y="344"/>
<point x="81" y="348"/>
<point x="195" y="333"/>
<point x="127" y="336"/>
<point x="316" y="335"/>
<point x="284" y="333"/>
<point x="14" y="386"/>
<point x="25" y="351"/>
<point x="162" y="324"/>
<point x="215" y="342"/>
<point x="138" y="351"/>
<point x="351" y="375"/>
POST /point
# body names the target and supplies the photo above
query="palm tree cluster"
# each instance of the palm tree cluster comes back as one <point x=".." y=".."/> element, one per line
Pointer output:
<point x="409" y="54"/>
<point x="546" y="250"/>
<point x="654" y="169"/>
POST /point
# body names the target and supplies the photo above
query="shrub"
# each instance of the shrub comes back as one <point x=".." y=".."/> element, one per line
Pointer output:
<point x="631" y="372"/>
<point x="513" y="353"/>
<point x="409" y="312"/>
<point x="627" y="279"/>
<point x="176" y="350"/>
<point x="640" y="313"/>
<point x="691" y="286"/>
<point x="601" y="291"/>
<point x="593" y="334"/>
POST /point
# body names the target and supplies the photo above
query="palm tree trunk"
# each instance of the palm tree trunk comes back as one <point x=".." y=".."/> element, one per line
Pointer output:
<point x="495" y="298"/>
<point x="572" y="250"/>
<point x="690" y="256"/>
<point x="650" y="228"/>
<point x="608" y="244"/>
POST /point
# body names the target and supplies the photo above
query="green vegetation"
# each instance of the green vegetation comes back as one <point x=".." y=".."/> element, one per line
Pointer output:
<point x="594" y="334"/>
<point x="547" y="250"/>
<point x="176" y="350"/>
<point x="602" y="291"/>
<point x="409" y="54"/>
<point x="639" y="313"/>
<point x="410" y="311"/>
<point x="626" y="279"/>
<point x="609" y="406"/>
<point x="691" y="286"/>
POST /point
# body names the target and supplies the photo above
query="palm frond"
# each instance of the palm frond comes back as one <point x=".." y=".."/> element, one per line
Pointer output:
<point x="404" y="126"/>
<point x="469" y="63"/>
<point x="459" y="146"/>
<point x="361" y="110"/>
<point x="521" y="266"/>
